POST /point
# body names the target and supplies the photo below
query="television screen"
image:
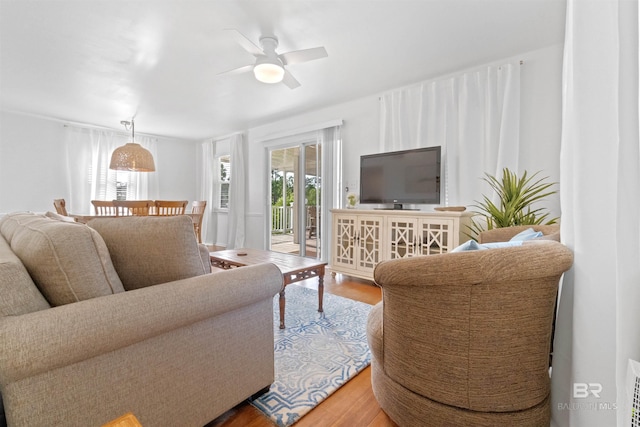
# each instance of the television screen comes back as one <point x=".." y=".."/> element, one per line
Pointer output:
<point x="409" y="176"/>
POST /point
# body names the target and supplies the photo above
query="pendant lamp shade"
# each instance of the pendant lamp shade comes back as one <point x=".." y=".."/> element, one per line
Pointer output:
<point x="132" y="156"/>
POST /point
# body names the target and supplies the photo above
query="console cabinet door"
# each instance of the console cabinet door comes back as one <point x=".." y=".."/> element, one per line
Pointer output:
<point x="402" y="237"/>
<point x="357" y="243"/>
<point x="369" y="241"/>
<point x="408" y="237"/>
<point x="344" y="244"/>
<point x="436" y="236"/>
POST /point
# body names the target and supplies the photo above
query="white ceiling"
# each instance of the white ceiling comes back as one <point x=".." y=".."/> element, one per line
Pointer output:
<point x="99" y="62"/>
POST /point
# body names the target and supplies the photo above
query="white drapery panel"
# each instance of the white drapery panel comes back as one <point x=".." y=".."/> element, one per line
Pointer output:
<point x="88" y="153"/>
<point x="331" y="142"/>
<point x="475" y="117"/>
<point x="598" y="316"/>
<point x="237" y="193"/>
<point x="206" y="190"/>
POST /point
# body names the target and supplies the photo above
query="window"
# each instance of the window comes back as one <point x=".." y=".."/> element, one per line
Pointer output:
<point x="112" y="184"/>
<point x="124" y="185"/>
<point x="224" y="180"/>
<point x="121" y="190"/>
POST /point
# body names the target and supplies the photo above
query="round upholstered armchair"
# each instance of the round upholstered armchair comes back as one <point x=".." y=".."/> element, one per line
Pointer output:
<point x="462" y="339"/>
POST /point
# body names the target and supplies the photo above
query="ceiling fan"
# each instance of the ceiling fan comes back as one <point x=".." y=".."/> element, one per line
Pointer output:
<point x="269" y="66"/>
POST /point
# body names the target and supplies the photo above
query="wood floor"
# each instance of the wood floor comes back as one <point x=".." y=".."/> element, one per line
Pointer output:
<point x="353" y="404"/>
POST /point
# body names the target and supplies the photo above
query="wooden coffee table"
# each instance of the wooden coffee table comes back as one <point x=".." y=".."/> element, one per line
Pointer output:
<point x="294" y="268"/>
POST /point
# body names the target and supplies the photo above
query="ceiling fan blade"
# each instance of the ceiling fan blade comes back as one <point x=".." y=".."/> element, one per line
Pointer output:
<point x="305" y="55"/>
<point x="246" y="44"/>
<point x="289" y="80"/>
<point x="238" y="70"/>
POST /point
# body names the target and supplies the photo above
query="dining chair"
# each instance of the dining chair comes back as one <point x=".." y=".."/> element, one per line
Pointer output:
<point x="104" y="207"/>
<point x="60" y="206"/>
<point x="170" y="207"/>
<point x="197" y="213"/>
<point x="313" y="216"/>
<point x="133" y="207"/>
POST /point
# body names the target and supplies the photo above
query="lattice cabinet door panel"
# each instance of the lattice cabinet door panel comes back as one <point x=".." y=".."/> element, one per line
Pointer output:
<point x="369" y="242"/>
<point x="437" y="236"/>
<point x="402" y="237"/>
<point x="344" y="244"/>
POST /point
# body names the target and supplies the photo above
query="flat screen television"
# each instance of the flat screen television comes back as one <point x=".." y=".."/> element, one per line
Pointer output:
<point x="401" y="177"/>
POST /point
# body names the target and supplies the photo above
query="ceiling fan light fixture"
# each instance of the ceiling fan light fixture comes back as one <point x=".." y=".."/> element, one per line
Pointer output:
<point x="268" y="72"/>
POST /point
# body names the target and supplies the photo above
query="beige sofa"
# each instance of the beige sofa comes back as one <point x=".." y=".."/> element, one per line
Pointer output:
<point x="179" y="347"/>
<point x="462" y="339"/>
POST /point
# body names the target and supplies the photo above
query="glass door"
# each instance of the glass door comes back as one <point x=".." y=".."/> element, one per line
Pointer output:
<point x="295" y="174"/>
<point x="311" y="246"/>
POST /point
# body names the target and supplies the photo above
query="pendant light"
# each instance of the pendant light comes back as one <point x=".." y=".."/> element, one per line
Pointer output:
<point x="131" y="156"/>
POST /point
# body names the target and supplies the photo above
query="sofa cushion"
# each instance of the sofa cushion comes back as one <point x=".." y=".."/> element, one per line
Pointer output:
<point x="147" y="250"/>
<point x="68" y="262"/>
<point x="19" y="294"/>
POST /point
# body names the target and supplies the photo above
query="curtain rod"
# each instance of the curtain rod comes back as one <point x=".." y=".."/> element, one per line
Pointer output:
<point x="85" y="126"/>
<point x="448" y="76"/>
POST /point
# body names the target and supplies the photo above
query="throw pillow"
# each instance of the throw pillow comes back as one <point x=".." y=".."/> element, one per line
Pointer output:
<point x="147" y="250"/>
<point x="68" y="262"/>
<point x="527" y="234"/>
<point x="472" y="245"/>
<point x="469" y="245"/>
<point x="19" y="294"/>
<point x="494" y="245"/>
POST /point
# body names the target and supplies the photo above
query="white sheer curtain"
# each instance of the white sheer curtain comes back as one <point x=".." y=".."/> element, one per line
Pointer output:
<point x="599" y="314"/>
<point x="237" y="193"/>
<point x="475" y="117"/>
<point x="206" y="190"/>
<point x="88" y="153"/>
<point x="330" y="141"/>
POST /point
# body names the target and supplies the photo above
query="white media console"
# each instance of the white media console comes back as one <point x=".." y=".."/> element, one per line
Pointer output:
<point x="363" y="238"/>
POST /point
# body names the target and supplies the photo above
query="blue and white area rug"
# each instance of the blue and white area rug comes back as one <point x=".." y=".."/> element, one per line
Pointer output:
<point x="315" y="354"/>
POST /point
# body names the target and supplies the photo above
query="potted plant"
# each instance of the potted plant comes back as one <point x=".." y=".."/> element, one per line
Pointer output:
<point x="351" y="200"/>
<point x="516" y="195"/>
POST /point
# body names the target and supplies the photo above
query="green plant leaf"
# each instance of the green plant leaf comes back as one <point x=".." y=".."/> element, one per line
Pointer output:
<point x="516" y="196"/>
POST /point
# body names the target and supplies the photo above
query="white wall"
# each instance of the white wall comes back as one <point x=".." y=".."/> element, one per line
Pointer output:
<point x="541" y="117"/>
<point x="32" y="152"/>
<point x="175" y="168"/>
<point x="540" y="122"/>
<point x="30" y="159"/>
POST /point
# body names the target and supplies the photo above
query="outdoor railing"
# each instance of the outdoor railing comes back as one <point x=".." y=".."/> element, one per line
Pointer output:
<point x="282" y="219"/>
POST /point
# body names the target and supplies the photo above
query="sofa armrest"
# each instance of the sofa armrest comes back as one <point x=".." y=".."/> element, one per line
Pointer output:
<point x="37" y="342"/>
